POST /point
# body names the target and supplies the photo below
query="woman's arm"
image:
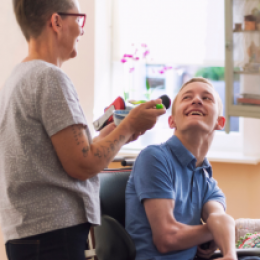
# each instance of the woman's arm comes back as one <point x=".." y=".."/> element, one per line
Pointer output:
<point x="83" y="160"/>
<point x="104" y="132"/>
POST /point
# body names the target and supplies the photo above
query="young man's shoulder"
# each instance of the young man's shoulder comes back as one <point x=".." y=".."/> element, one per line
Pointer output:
<point x="170" y="151"/>
<point x="154" y="160"/>
<point x="152" y="154"/>
<point x="151" y="149"/>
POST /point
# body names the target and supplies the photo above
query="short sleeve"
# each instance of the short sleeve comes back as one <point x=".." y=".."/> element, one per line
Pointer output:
<point x="214" y="193"/>
<point x="57" y="102"/>
<point x="152" y="176"/>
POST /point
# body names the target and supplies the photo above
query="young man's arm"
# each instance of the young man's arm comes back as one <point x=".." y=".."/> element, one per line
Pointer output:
<point x="168" y="234"/>
<point x="222" y="227"/>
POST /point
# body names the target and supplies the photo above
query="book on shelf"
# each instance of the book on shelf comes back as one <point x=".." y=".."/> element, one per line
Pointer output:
<point x="248" y="99"/>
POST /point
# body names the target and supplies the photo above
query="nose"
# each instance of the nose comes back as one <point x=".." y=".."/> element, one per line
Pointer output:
<point x="197" y="100"/>
<point x="82" y="32"/>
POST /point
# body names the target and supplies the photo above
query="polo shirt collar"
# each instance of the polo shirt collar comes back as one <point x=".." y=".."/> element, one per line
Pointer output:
<point x="185" y="157"/>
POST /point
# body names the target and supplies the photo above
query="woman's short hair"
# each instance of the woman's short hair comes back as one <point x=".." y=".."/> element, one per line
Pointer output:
<point x="203" y="80"/>
<point x="32" y="15"/>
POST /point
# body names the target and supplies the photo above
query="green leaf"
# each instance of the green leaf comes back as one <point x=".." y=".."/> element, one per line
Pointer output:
<point x="213" y="73"/>
<point x="126" y="95"/>
<point x="148" y="87"/>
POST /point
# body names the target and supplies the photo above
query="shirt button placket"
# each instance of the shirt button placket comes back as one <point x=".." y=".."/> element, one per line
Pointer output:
<point x="193" y="197"/>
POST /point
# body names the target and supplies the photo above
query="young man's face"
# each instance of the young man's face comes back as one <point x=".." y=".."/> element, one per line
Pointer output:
<point x="196" y="108"/>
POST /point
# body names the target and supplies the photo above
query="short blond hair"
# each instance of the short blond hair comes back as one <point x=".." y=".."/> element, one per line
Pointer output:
<point x="203" y="80"/>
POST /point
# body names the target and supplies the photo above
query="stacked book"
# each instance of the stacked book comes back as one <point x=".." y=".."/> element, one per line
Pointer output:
<point x="248" y="99"/>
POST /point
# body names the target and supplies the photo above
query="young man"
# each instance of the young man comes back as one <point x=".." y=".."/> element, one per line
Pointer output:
<point x="171" y="186"/>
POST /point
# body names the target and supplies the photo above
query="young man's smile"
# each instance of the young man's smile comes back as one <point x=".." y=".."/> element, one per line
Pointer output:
<point x="195" y="112"/>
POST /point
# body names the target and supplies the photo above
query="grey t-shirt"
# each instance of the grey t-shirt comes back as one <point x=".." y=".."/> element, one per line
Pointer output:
<point x="36" y="194"/>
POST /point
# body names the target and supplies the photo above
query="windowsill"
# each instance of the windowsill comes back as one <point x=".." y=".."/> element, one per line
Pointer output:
<point x="213" y="156"/>
<point x="232" y="157"/>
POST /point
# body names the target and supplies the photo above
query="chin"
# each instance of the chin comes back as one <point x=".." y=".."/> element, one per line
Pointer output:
<point x="74" y="54"/>
<point x="197" y="126"/>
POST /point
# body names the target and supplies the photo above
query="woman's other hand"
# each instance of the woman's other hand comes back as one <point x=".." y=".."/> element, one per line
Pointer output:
<point x="105" y="132"/>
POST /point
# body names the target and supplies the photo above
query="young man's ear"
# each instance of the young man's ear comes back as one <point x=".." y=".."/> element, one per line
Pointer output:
<point x="221" y="123"/>
<point x="171" y="122"/>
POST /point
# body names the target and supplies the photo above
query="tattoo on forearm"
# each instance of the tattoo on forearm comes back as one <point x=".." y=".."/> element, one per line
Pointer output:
<point x="85" y="151"/>
<point x="111" y="145"/>
<point x="98" y="153"/>
<point x="104" y="150"/>
<point x="121" y="138"/>
<point x="77" y="134"/>
<point x="115" y="143"/>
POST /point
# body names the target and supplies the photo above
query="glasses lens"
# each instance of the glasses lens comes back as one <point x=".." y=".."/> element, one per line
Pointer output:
<point x="81" y="20"/>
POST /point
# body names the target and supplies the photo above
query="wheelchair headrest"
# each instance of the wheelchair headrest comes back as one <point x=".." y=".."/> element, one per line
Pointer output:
<point x="112" y="193"/>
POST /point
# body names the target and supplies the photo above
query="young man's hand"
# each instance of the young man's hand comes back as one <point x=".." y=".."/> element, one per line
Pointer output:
<point x="207" y="253"/>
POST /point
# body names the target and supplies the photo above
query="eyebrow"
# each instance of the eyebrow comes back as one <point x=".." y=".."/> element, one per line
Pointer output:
<point x="191" y="91"/>
<point x="187" y="92"/>
<point x="203" y="93"/>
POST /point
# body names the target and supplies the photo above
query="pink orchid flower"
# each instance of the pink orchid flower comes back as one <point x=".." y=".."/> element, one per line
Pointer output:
<point x="146" y="53"/>
<point x="131" y="70"/>
<point x="128" y="56"/>
<point x="123" y="60"/>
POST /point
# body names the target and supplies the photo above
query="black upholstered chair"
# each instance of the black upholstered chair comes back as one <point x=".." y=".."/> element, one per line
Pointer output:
<point x="111" y="239"/>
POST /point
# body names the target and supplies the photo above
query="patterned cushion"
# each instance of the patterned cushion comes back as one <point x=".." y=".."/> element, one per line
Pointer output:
<point x="249" y="241"/>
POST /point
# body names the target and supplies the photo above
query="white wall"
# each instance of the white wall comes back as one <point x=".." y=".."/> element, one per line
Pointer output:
<point x="13" y="46"/>
<point x="81" y="69"/>
<point x="13" y="49"/>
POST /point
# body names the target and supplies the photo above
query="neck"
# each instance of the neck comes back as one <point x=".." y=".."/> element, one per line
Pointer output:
<point x="44" y="48"/>
<point x="197" y="142"/>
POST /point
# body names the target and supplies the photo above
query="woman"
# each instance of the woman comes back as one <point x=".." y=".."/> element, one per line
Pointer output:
<point x="48" y="161"/>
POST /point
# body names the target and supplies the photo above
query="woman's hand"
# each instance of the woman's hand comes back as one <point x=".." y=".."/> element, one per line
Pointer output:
<point x="109" y="128"/>
<point x="105" y="132"/>
<point x="144" y="116"/>
<point x="134" y="137"/>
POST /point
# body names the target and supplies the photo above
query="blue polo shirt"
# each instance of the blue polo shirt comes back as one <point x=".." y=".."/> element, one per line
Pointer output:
<point x="167" y="171"/>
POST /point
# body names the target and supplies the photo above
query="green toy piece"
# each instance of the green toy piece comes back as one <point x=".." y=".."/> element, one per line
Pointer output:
<point x="159" y="106"/>
<point x="137" y="102"/>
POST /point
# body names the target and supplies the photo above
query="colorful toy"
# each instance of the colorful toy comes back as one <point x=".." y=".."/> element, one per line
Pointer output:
<point x="249" y="241"/>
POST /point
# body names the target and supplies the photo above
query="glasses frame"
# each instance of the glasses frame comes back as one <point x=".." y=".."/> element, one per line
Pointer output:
<point x="73" y="14"/>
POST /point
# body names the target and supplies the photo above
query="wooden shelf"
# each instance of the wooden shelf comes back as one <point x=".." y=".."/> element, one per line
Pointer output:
<point x="249" y="73"/>
<point x="242" y="31"/>
<point x="252" y="111"/>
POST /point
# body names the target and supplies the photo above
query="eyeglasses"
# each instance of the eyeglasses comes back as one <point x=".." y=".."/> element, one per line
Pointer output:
<point x="81" y="20"/>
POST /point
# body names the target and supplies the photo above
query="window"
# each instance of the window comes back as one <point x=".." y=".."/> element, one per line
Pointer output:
<point x="183" y="38"/>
